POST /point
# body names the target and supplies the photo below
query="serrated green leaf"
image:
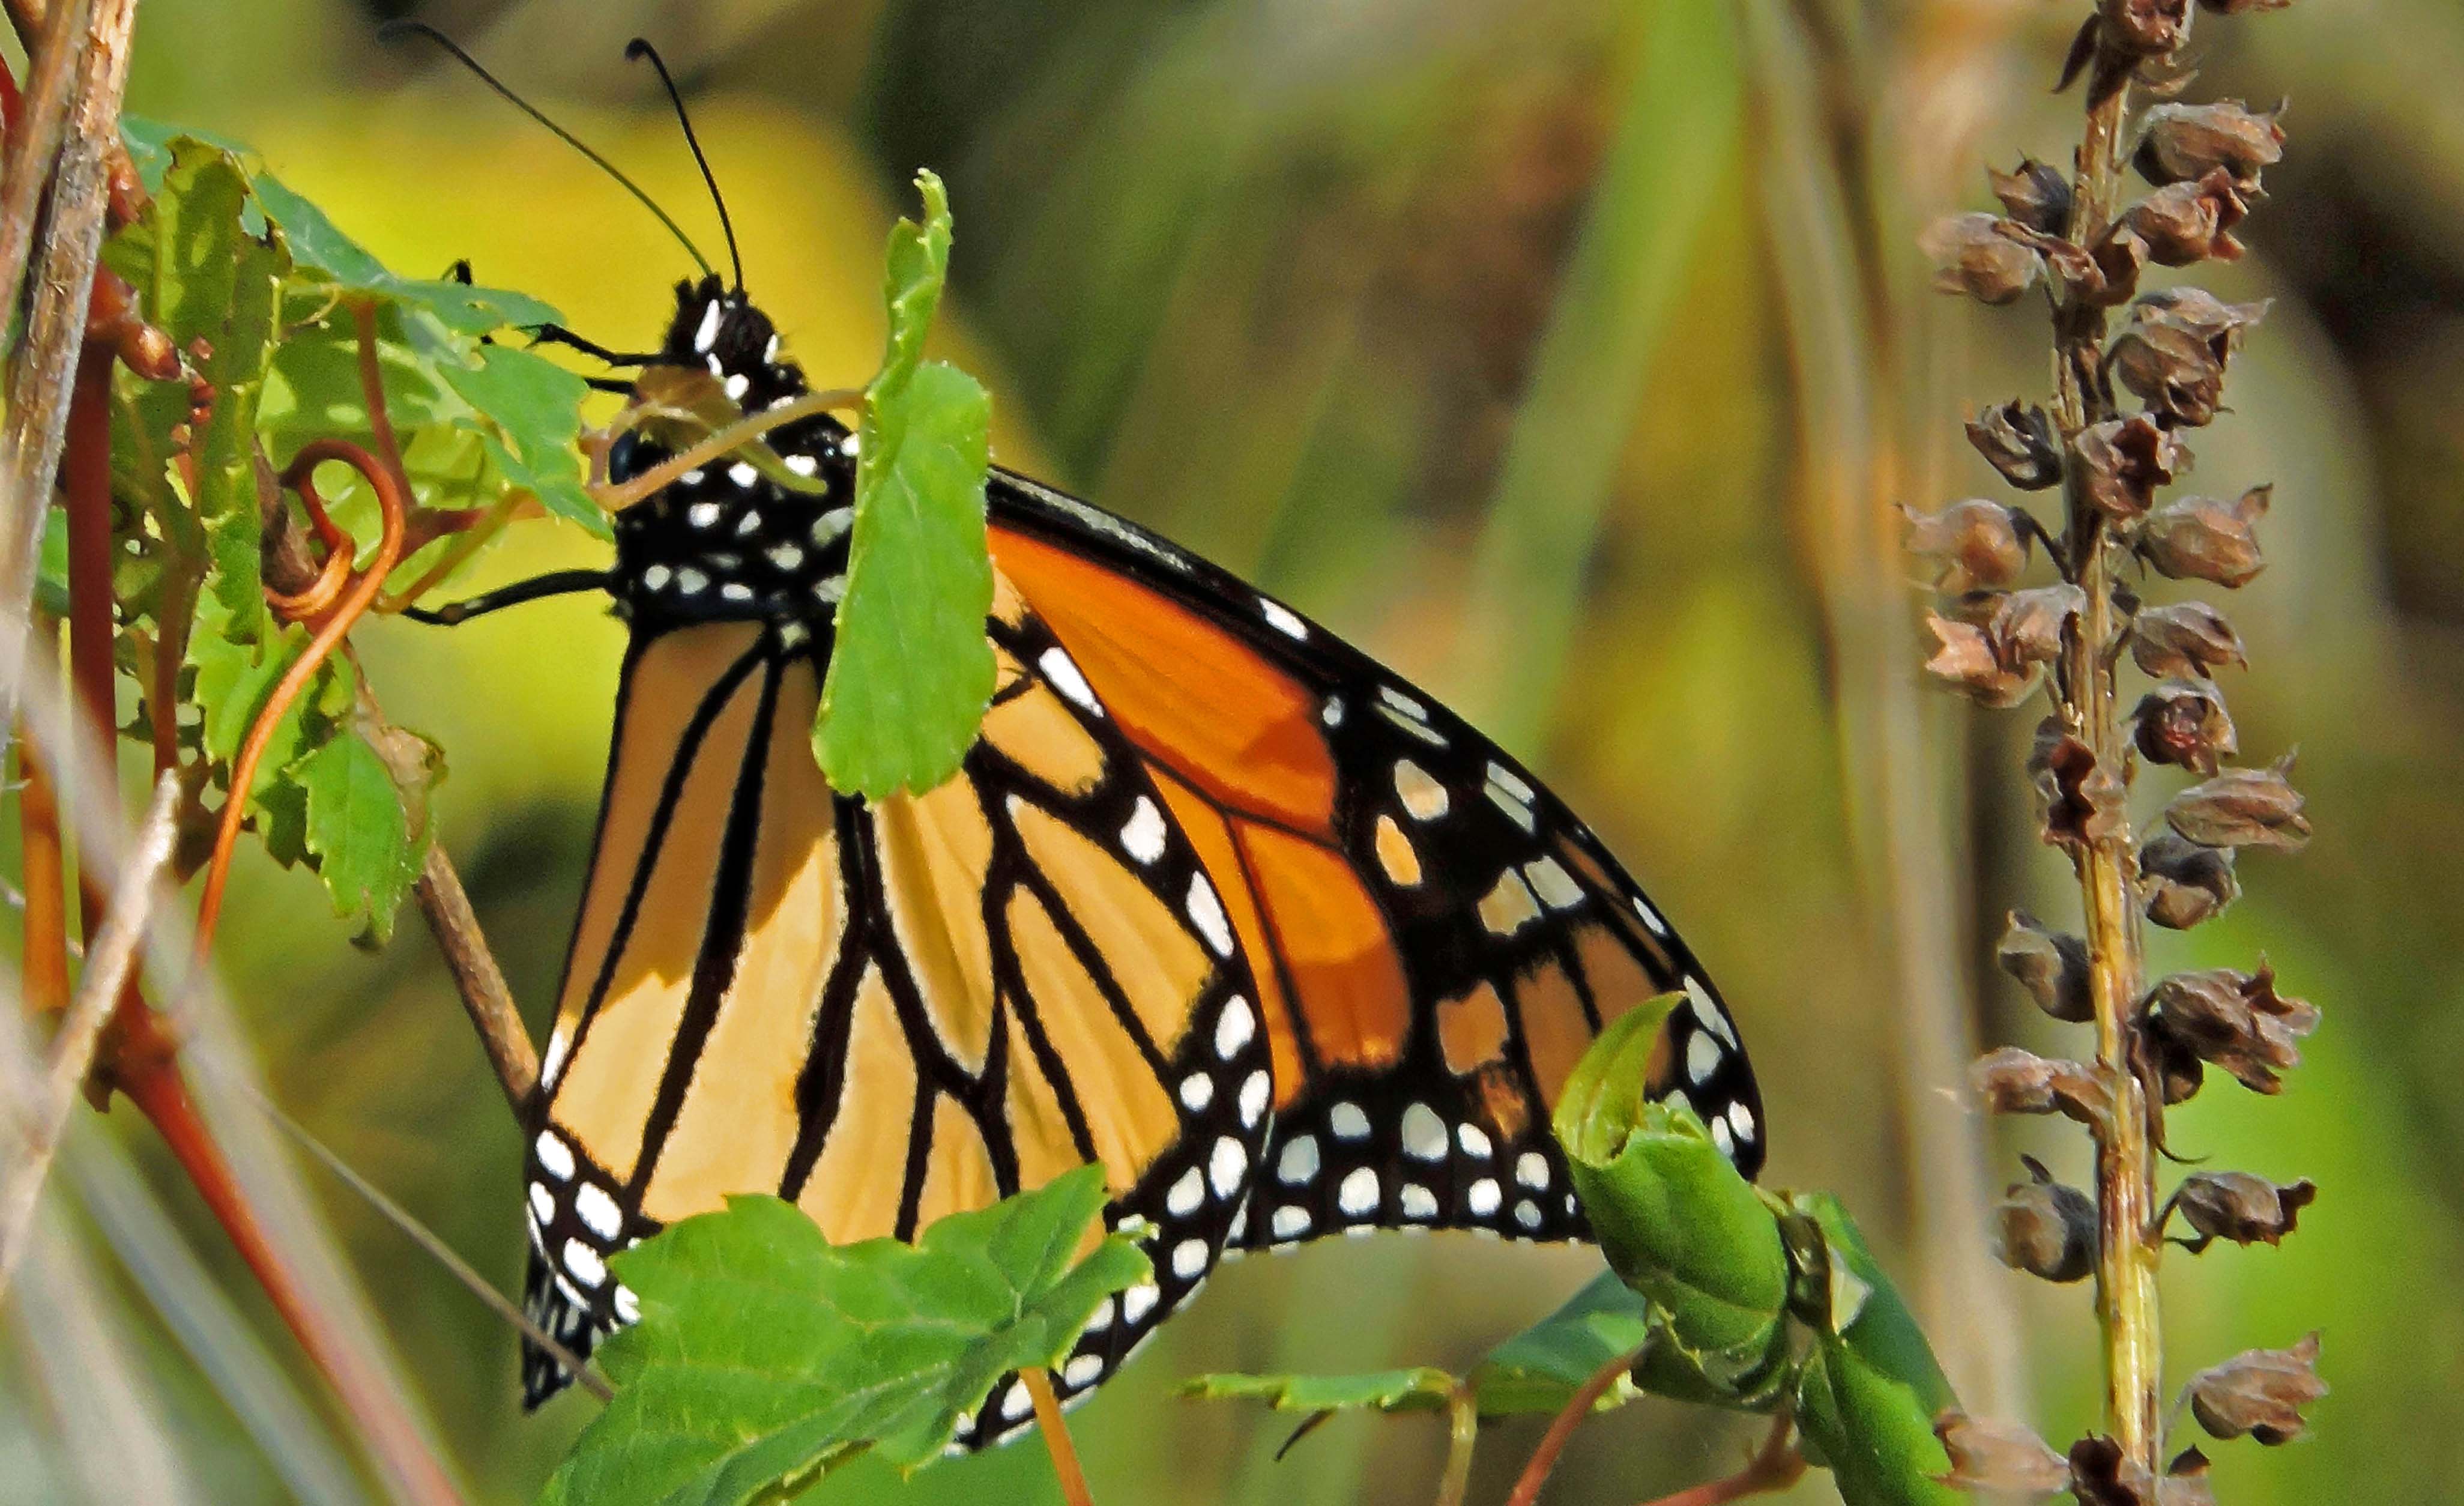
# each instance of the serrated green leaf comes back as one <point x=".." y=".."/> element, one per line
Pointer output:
<point x="1672" y="1215"/>
<point x="1871" y="1389"/>
<point x="534" y="409"/>
<point x="366" y="830"/>
<point x="765" y="1355"/>
<point x="911" y="671"/>
<point x="1415" y="1390"/>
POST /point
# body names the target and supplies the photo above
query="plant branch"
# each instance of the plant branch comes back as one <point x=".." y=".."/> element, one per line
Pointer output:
<point x="2106" y="863"/>
<point x="616" y="498"/>
<point x="43" y="374"/>
<point x="42" y="859"/>
<point x="1561" y="1428"/>
<point x="110" y="966"/>
<point x="1463" y="1429"/>
<point x="1055" y="1428"/>
<point x="35" y="134"/>
<point x="1775" y="1466"/>
<point x="478" y="979"/>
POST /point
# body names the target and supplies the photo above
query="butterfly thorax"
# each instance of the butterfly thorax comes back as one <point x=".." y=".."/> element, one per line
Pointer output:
<point x="747" y="537"/>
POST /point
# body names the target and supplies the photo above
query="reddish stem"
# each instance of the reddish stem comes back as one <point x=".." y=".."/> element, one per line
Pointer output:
<point x="42" y="862"/>
<point x="1050" y="1422"/>
<point x="1561" y="1428"/>
<point x="144" y="1069"/>
<point x="1774" y="1466"/>
<point x="330" y="633"/>
<point x="85" y="475"/>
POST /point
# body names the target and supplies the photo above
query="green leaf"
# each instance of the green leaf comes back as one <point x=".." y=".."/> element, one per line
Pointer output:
<point x="534" y="409"/>
<point x="1871" y="1389"/>
<point x="911" y="671"/>
<point x="765" y="1355"/>
<point x="366" y="822"/>
<point x="1417" y="1390"/>
<point x="1674" y="1218"/>
<point x="1541" y="1368"/>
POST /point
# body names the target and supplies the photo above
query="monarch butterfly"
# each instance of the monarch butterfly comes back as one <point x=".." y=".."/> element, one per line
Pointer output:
<point x="1215" y="901"/>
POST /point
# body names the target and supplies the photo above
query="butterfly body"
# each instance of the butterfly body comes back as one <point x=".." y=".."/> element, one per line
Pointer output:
<point x="1215" y="901"/>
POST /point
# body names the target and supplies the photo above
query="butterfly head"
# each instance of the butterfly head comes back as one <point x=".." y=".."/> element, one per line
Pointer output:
<point x="757" y="536"/>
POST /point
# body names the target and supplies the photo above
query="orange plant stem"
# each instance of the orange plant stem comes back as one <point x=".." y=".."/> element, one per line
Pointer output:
<point x="1050" y="1422"/>
<point x="1561" y="1428"/>
<point x="1775" y="1466"/>
<point x="329" y="635"/>
<point x="147" y="1073"/>
<point x="85" y="475"/>
<point x="43" y="865"/>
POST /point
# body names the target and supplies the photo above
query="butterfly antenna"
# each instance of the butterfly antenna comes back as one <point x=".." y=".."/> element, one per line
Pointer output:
<point x="639" y="48"/>
<point x="393" y="29"/>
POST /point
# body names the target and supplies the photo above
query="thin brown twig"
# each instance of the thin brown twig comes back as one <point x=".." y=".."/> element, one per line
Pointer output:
<point x="129" y="196"/>
<point x="478" y="979"/>
<point x="43" y="376"/>
<point x="1055" y="1428"/>
<point x="1775" y="1466"/>
<point x="50" y="45"/>
<point x="1561" y="1428"/>
<point x="42" y="858"/>
<point x="111" y="964"/>
<point x="616" y="498"/>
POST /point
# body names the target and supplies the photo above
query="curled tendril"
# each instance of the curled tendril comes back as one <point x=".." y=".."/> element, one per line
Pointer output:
<point x="337" y="599"/>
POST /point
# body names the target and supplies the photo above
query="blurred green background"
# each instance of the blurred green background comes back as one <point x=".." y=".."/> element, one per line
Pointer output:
<point x="1567" y="356"/>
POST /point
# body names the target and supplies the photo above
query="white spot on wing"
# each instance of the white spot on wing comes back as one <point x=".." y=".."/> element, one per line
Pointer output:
<point x="1181" y="1199"/>
<point x="1083" y="1370"/>
<point x="1063" y="673"/>
<point x="1702" y="1057"/>
<point x="1357" y="1196"/>
<point x="1298" y="1164"/>
<point x="1423" y="798"/>
<point x="1197" y="1092"/>
<point x="1708" y="1010"/>
<point x="583" y="1265"/>
<point x="1206" y="913"/>
<point x="1253" y="1098"/>
<point x="1424" y="1134"/>
<point x="1482" y="1197"/>
<point x="1282" y="619"/>
<point x="1347" y="1121"/>
<point x="1555" y="887"/>
<point x="743" y="473"/>
<point x="707" y="335"/>
<point x="1234" y="1027"/>
<point x="1143" y="836"/>
<point x="1225" y="1166"/>
<point x="1419" y="1202"/>
<point x="555" y="1157"/>
<point x="1474" y="1141"/>
<point x="599" y="1211"/>
<point x="1289" y="1222"/>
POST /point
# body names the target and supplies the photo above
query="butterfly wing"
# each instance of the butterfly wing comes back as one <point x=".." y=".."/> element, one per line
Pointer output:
<point x="1437" y="939"/>
<point x="888" y="1011"/>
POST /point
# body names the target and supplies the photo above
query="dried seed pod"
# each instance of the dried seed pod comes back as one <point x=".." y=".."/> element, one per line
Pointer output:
<point x="2207" y="539"/>
<point x="2183" y="883"/>
<point x="2037" y="195"/>
<point x="2145" y="28"/>
<point x="2186" y="1481"/>
<point x="2029" y="627"/>
<point x="1972" y="544"/>
<point x="2082" y="800"/>
<point x="1972" y="255"/>
<point x="2189" y="640"/>
<point x="2234" y="1019"/>
<point x="2185" y="222"/>
<point x="2260" y="1392"/>
<point x="2102" y="1475"/>
<point x="2238" y="1207"/>
<point x="2000" y="1457"/>
<point x="2122" y="461"/>
<point x="2182" y="142"/>
<point x="2174" y="372"/>
<point x="2014" y="1081"/>
<point x="2244" y="807"/>
<point x="2195" y="311"/>
<point x="1966" y="661"/>
<point x="2018" y="441"/>
<point x="2050" y="964"/>
<point x="2044" y="1228"/>
<point x="2183" y="723"/>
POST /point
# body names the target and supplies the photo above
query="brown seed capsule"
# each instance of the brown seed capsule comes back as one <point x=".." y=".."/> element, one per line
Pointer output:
<point x="2017" y="439"/>
<point x="2207" y="538"/>
<point x="1966" y="661"/>
<point x="2014" y="1081"/>
<point x="2235" y="1020"/>
<point x="2189" y="640"/>
<point x="2122" y="461"/>
<point x="1972" y="544"/>
<point x="1998" y="1457"/>
<point x="2184" y="223"/>
<point x="2082" y="800"/>
<point x="2050" y="964"/>
<point x="2195" y="311"/>
<point x="1972" y="255"/>
<point x="2029" y="627"/>
<point x="2037" y="195"/>
<point x="2044" y="1228"/>
<point x="2260" y="1392"/>
<point x="2244" y="807"/>
<point x="2238" y="1207"/>
<point x="2187" y="142"/>
<point x="2174" y="372"/>
<point x="2101" y="1475"/>
<point x="2186" y="1481"/>
<point x="2183" y="723"/>
<point x="2145" y="28"/>
<point x="2183" y="883"/>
